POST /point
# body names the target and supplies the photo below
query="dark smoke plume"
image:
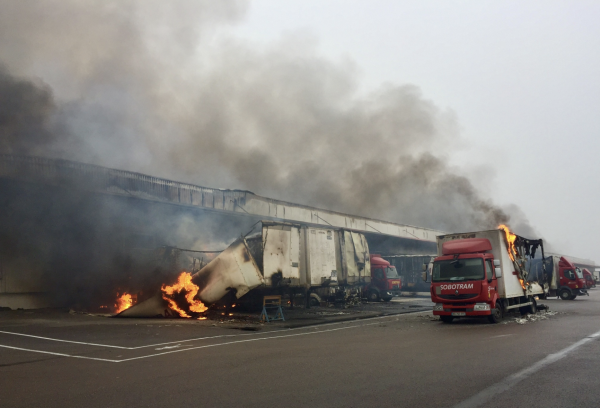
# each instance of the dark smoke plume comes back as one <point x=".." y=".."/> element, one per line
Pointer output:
<point x="164" y="88"/>
<point x="161" y="88"/>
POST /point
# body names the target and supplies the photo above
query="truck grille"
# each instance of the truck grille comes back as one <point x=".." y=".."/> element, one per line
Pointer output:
<point x="457" y="297"/>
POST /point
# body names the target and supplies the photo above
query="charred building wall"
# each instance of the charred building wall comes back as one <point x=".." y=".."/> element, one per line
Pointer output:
<point x="65" y="247"/>
<point x="72" y="234"/>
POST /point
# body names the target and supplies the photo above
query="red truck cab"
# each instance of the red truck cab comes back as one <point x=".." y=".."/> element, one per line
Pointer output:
<point x="571" y="281"/>
<point x="589" y="279"/>
<point x="464" y="282"/>
<point x="385" y="281"/>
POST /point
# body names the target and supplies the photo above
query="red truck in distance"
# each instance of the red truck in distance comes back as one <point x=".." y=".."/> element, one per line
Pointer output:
<point x="385" y="281"/>
<point x="589" y="279"/>
<point x="559" y="275"/>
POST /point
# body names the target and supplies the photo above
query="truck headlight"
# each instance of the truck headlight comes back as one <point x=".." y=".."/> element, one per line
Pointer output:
<point x="438" y="306"/>
<point x="481" y="306"/>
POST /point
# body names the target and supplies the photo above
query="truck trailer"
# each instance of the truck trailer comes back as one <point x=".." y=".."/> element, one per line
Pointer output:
<point x="284" y="258"/>
<point x="482" y="274"/>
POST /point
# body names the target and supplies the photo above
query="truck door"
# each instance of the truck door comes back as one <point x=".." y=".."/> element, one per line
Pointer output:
<point x="567" y="278"/>
<point x="491" y="278"/>
<point x="379" y="278"/>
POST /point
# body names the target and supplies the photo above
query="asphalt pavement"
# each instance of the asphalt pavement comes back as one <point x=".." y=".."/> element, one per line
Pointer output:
<point x="399" y="360"/>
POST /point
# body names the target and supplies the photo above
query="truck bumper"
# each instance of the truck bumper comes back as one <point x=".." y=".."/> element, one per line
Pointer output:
<point x="582" y="292"/>
<point x="461" y="311"/>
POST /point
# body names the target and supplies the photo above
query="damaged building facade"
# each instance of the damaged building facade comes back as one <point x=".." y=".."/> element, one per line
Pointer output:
<point x="74" y="234"/>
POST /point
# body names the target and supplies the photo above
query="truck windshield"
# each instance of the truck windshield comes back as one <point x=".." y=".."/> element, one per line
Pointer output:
<point x="458" y="270"/>
<point x="391" y="272"/>
<point x="579" y="273"/>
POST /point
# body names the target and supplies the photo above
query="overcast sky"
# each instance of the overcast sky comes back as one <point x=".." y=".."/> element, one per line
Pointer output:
<point x="523" y="79"/>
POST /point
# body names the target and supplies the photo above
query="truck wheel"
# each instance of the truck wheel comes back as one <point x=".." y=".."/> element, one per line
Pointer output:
<point x="533" y="306"/>
<point x="446" y="319"/>
<point x="565" y="294"/>
<point x="572" y="297"/>
<point x="373" y="296"/>
<point x="496" y="316"/>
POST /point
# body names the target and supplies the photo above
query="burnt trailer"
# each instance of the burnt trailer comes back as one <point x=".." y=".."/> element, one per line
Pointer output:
<point x="284" y="258"/>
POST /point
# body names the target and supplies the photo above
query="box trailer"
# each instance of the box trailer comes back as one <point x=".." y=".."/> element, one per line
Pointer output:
<point x="282" y="258"/>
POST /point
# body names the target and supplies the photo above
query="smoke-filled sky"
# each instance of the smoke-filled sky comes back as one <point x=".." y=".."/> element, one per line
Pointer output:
<point x="449" y="115"/>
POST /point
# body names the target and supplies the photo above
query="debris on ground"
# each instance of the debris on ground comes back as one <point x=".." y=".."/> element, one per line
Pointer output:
<point x="528" y="318"/>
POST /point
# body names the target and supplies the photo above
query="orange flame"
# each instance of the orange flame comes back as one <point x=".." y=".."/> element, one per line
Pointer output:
<point x="125" y="301"/>
<point x="184" y="284"/>
<point x="510" y="238"/>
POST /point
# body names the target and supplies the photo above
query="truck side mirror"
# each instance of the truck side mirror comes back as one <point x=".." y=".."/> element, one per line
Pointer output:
<point x="424" y="267"/>
<point x="498" y="272"/>
<point x="424" y="276"/>
<point x="496" y="262"/>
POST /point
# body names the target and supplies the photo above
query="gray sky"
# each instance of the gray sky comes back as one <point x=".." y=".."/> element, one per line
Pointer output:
<point x="523" y="79"/>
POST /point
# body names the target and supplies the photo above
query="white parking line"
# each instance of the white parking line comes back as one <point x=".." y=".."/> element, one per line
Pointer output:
<point x="198" y="347"/>
<point x="204" y="338"/>
<point x="484" y="396"/>
<point x="501" y="335"/>
<point x="121" y="347"/>
<point x="58" y="354"/>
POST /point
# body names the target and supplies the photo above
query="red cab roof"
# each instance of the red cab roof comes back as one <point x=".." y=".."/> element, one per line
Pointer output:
<point x="565" y="263"/>
<point x="466" y="246"/>
<point x="376" y="259"/>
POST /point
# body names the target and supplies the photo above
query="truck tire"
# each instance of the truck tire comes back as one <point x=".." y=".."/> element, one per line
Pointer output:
<point x="572" y="297"/>
<point x="496" y="316"/>
<point x="565" y="294"/>
<point x="533" y="306"/>
<point x="446" y="319"/>
<point x="373" y="296"/>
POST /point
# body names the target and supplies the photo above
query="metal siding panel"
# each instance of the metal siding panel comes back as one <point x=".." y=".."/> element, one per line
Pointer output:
<point x="295" y="254"/>
<point x="196" y="197"/>
<point x="229" y="203"/>
<point x="322" y="255"/>
<point x="218" y="199"/>
<point x="233" y="268"/>
<point x="276" y="252"/>
<point x="349" y="257"/>
<point x="208" y="199"/>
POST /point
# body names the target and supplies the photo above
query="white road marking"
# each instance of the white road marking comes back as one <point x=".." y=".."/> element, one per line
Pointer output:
<point x="484" y="396"/>
<point x="59" y="354"/>
<point x="126" y="348"/>
<point x="168" y="347"/>
<point x="193" y="348"/>
<point x="501" y="335"/>
<point x="208" y="337"/>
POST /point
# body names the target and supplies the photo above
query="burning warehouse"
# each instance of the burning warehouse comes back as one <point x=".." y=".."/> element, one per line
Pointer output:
<point x="85" y="236"/>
